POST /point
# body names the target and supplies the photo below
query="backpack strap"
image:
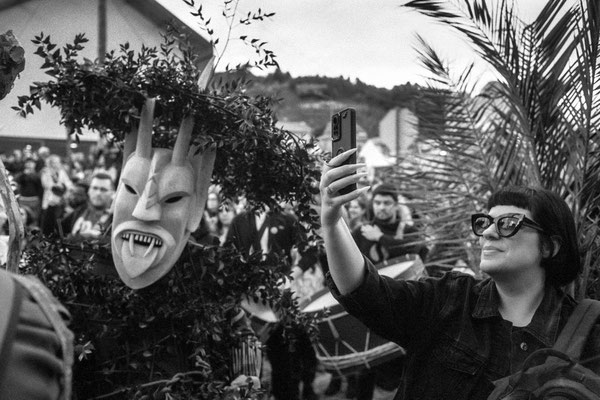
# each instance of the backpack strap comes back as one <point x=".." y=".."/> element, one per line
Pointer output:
<point x="11" y="297"/>
<point x="574" y="335"/>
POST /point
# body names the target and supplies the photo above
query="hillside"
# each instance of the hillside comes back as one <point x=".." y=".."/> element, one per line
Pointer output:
<point x="314" y="99"/>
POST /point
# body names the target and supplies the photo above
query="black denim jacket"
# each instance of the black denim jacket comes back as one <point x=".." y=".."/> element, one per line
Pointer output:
<point x="457" y="343"/>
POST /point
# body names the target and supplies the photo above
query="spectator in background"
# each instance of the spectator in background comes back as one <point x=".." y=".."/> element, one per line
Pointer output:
<point x="9" y="162"/>
<point x="225" y="217"/>
<point x="241" y="204"/>
<point x="78" y="173"/>
<point x="357" y="212"/>
<point x="385" y="237"/>
<point x="292" y="363"/>
<point x="76" y="196"/>
<point x="31" y="191"/>
<point x="55" y="182"/>
<point x="211" y="211"/>
<point x="213" y="202"/>
<point x="89" y="220"/>
<point x="103" y="166"/>
<point x="211" y="219"/>
<point x="42" y="155"/>
<point x="16" y="162"/>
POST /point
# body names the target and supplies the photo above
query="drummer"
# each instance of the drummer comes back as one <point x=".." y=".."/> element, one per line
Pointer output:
<point x="456" y="330"/>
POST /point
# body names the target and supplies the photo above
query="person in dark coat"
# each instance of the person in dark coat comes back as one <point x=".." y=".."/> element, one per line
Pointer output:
<point x="279" y="232"/>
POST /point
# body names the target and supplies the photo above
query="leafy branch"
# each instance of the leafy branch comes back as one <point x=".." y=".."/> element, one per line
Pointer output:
<point x="255" y="157"/>
<point x="266" y="58"/>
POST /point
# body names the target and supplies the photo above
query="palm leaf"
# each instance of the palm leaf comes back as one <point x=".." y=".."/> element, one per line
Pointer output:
<point x="536" y="125"/>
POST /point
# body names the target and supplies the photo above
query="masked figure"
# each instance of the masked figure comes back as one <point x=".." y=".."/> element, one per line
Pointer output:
<point x="159" y="202"/>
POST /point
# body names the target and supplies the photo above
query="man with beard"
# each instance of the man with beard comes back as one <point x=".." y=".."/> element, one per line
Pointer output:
<point x="387" y="236"/>
<point x="89" y="220"/>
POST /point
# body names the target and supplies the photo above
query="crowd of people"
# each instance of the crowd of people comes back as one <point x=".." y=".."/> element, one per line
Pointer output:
<point x="529" y="252"/>
<point x="381" y="223"/>
<point x="52" y="190"/>
<point x="73" y="197"/>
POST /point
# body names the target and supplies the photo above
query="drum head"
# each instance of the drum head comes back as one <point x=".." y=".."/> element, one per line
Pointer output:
<point x="320" y="301"/>
<point x="345" y="344"/>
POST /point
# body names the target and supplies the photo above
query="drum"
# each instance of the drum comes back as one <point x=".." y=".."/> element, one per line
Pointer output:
<point x="345" y="344"/>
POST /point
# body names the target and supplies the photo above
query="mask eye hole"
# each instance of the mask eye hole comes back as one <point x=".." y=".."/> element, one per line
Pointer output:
<point x="130" y="189"/>
<point x="173" y="199"/>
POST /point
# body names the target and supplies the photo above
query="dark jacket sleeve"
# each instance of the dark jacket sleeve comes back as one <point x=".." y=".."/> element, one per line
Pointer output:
<point x="397" y="310"/>
<point x="239" y="233"/>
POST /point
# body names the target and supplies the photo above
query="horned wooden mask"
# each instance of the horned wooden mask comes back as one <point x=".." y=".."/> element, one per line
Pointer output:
<point x="159" y="202"/>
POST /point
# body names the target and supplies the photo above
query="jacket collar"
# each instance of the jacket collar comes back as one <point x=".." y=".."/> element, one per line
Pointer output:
<point x="545" y="323"/>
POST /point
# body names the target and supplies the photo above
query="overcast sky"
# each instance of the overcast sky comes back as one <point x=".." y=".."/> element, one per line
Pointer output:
<point x="372" y="40"/>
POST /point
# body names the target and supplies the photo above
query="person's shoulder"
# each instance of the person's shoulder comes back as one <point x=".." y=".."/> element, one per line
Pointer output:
<point x="282" y="218"/>
<point x="76" y="212"/>
<point x="83" y="208"/>
<point x="590" y="354"/>
<point x="242" y="216"/>
<point x="462" y="281"/>
<point x="289" y="218"/>
<point x="356" y="228"/>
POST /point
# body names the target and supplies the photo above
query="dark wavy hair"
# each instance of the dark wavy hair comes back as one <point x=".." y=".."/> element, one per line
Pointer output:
<point x="553" y="214"/>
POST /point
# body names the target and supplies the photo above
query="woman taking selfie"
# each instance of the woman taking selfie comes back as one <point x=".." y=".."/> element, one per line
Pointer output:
<point x="462" y="334"/>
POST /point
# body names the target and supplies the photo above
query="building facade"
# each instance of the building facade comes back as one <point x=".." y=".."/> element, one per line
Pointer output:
<point x="105" y="23"/>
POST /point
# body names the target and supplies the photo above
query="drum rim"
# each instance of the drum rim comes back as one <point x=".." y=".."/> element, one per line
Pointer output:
<point x="337" y="308"/>
<point x="367" y="358"/>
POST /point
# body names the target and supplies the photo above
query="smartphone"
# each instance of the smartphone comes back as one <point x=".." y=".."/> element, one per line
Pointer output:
<point x="343" y="137"/>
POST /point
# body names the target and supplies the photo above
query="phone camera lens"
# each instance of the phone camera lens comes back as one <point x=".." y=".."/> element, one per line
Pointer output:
<point x="335" y="128"/>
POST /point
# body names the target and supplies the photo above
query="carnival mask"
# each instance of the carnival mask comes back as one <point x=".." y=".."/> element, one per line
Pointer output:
<point x="159" y="202"/>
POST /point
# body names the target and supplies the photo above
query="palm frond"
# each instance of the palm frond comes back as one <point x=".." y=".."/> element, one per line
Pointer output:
<point x="537" y="125"/>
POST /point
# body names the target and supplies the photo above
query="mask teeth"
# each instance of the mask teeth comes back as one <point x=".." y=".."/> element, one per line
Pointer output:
<point x="141" y="238"/>
<point x="149" y="248"/>
<point x="131" y="244"/>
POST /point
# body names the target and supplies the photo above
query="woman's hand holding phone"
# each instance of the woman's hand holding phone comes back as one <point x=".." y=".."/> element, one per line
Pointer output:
<point x="336" y="176"/>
